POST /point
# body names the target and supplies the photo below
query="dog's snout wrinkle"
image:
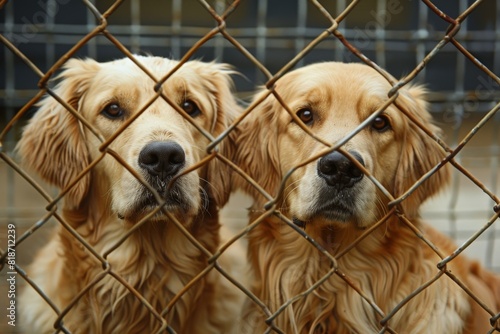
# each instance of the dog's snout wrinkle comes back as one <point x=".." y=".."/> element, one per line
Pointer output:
<point x="337" y="170"/>
<point x="162" y="159"/>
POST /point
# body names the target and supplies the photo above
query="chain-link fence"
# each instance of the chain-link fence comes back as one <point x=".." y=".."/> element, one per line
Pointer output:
<point x="454" y="48"/>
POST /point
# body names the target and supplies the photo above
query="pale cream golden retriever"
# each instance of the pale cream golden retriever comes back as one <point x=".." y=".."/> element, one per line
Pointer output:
<point x="162" y="149"/>
<point x="335" y="202"/>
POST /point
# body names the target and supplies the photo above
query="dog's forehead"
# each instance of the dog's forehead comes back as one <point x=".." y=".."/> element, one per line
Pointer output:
<point x="335" y="80"/>
<point x="158" y="68"/>
<point x="124" y="75"/>
<point x="335" y="89"/>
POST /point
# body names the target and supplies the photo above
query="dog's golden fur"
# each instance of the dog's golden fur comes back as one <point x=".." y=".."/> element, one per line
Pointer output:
<point x="389" y="263"/>
<point x="157" y="260"/>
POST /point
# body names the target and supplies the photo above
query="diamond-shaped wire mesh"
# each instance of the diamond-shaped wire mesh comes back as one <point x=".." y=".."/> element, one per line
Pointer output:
<point x="453" y="48"/>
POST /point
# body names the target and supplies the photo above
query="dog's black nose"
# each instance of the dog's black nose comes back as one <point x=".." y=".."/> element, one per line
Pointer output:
<point x="162" y="158"/>
<point x="339" y="171"/>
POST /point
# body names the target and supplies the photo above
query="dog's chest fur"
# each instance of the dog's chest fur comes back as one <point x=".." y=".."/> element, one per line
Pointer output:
<point x="350" y="303"/>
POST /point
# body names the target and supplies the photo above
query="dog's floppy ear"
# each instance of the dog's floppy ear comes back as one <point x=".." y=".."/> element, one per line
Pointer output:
<point x="420" y="154"/>
<point x="52" y="142"/>
<point x="257" y="148"/>
<point x="218" y="172"/>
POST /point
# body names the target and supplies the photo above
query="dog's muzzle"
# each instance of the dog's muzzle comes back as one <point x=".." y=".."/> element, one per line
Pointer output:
<point x="337" y="197"/>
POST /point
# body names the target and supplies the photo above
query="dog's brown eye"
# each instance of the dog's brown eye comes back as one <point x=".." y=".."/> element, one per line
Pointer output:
<point x="113" y="111"/>
<point x="191" y="108"/>
<point x="381" y="123"/>
<point x="305" y="115"/>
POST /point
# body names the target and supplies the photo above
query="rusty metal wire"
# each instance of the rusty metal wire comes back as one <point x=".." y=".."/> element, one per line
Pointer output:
<point x="332" y="32"/>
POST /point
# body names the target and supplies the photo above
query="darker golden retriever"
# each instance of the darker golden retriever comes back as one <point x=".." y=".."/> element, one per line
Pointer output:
<point x="159" y="148"/>
<point x="335" y="199"/>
